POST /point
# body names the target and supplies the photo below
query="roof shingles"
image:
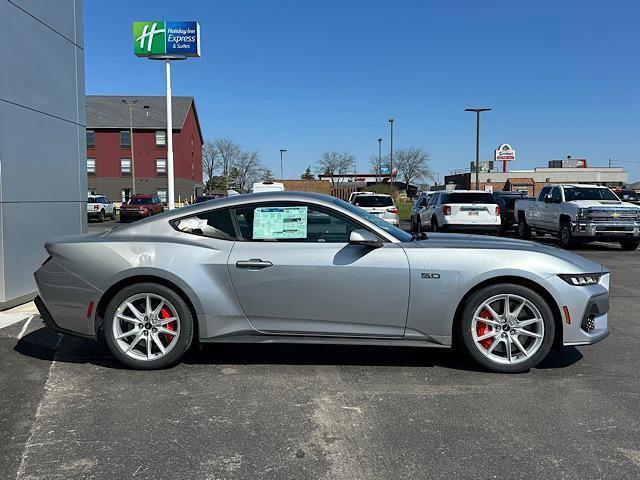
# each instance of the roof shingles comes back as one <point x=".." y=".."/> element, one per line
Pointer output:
<point x="109" y="111"/>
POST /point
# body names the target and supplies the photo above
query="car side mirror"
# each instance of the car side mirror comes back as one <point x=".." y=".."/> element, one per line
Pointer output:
<point x="548" y="199"/>
<point x="365" y="238"/>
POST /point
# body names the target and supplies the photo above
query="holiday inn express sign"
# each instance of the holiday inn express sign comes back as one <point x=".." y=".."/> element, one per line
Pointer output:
<point x="166" y="38"/>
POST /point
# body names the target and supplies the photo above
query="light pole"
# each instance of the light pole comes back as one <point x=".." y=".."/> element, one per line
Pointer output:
<point x="282" y="150"/>
<point x="477" y="166"/>
<point x="379" y="160"/>
<point x="130" y="103"/>
<point x="391" y="120"/>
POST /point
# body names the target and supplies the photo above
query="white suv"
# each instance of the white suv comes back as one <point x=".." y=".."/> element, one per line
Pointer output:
<point x="380" y="205"/>
<point x="461" y="210"/>
<point x="99" y="207"/>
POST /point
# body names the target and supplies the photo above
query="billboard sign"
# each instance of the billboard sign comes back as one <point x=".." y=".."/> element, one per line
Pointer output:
<point x="163" y="38"/>
<point x="505" y="153"/>
<point x="384" y="169"/>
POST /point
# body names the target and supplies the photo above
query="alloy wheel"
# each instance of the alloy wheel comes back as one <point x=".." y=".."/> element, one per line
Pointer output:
<point x="507" y="329"/>
<point x="146" y="326"/>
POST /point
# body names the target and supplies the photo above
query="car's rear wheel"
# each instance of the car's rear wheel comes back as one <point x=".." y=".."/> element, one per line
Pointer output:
<point x="629" y="244"/>
<point x="507" y="328"/>
<point x="148" y="326"/>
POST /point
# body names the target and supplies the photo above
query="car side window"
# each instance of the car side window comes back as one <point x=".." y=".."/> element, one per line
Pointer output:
<point x="293" y="223"/>
<point x="434" y="199"/>
<point x="543" y="193"/>
<point x="212" y="224"/>
<point x="555" y="194"/>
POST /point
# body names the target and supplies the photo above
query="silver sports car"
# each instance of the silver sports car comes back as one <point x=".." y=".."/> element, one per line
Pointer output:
<point x="299" y="267"/>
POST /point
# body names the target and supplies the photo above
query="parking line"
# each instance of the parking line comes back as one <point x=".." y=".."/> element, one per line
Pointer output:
<point x="24" y="327"/>
<point x="6" y="320"/>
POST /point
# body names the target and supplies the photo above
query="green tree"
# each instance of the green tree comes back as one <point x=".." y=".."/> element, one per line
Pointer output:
<point x="307" y="175"/>
<point x="267" y="175"/>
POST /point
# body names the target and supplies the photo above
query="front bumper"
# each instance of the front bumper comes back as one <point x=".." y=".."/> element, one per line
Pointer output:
<point x="608" y="230"/>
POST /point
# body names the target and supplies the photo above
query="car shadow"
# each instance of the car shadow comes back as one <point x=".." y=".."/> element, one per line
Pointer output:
<point x="45" y="344"/>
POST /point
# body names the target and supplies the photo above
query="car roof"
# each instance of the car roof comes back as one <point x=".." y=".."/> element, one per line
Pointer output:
<point x="576" y="185"/>
<point x="143" y="195"/>
<point x="464" y="191"/>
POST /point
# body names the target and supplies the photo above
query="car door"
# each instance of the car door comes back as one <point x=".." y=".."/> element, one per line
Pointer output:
<point x="294" y="272"/>
<point x="551" y="212"/>
<point x="538" y="209"/>
<point x="427" y="211"/>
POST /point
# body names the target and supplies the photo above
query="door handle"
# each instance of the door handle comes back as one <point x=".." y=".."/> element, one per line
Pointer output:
<point x="253" y="263"/>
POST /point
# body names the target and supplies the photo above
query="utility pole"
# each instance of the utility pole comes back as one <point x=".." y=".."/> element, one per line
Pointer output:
<point x="130" y="103"/>
<point x="477" y="164"/>
<point x="391" y="120"/>
<point x="609" y="163"/>
<point x="379" y="160"/>
<point x="282" y="150"/>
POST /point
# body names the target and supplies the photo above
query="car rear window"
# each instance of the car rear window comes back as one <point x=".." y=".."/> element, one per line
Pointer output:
<point x="373" y="201"/>
<point x="141" y="201"/>
<point x="471" y="197"/>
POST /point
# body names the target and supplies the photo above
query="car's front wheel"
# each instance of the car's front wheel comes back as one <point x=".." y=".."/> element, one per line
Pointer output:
<point x="507" y="328"/>
<point x="148" y="326"/>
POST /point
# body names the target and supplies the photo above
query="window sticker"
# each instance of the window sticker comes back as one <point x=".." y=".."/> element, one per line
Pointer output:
<point x="273" y="223"/>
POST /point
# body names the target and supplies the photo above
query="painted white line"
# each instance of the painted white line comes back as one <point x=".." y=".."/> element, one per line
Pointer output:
<point x="8" y="319"/>
<point x="24" y="327"/>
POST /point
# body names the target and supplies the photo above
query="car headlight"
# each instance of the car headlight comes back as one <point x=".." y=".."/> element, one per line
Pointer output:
<point x="581" y="279"/>
<point x="582" y="214"/>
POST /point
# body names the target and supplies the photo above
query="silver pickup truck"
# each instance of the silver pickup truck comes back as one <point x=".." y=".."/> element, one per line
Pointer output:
<point x="580" y="213"/>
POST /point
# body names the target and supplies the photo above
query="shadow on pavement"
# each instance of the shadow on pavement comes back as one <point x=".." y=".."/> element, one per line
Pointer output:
<point x="42" y="343"/>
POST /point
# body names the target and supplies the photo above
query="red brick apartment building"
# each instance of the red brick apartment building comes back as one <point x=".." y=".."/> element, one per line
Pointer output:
<point x="113" y="168"/>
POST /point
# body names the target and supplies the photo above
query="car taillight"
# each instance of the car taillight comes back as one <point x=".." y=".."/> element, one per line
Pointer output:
<point x="392" y="210"/>
<point x="497" y="211"/>
<point x="95" y="207"/>
<point x="446" y="209"/>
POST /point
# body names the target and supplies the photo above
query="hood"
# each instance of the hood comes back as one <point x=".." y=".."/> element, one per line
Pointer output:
<point x="603" y="204"/>
<point x="456" y="240"/>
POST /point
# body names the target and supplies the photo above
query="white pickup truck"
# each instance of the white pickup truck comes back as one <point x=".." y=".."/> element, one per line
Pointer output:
<point x="580" y="213"/>
<point x="99" y="207"/>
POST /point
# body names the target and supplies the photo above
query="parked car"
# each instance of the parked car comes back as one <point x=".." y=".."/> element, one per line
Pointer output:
<point x="267" y="187"/>
<point x="255" y="268"/>
<point x="380" y="205"/>
<point x="208" y="196"/>
<point x="506" y="200"/>
<point x="460" y="210"/>
<point x="419" y="204"/>
<point x="99" y="207"/>
<point x="581" y="213"/>
<point x="627" y="195"/>
<point x="141" y="206"/>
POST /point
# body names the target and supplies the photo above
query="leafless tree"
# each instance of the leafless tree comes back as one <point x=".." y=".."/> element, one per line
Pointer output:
<point x="227" y="153"/>
<point x="210" y="160"/>
<point x="336" y="164"/>
<point x="412" y="164"/>
<point x="247" y="169"/>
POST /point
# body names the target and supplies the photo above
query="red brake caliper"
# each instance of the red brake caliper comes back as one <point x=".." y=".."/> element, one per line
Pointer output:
<point x="164" y="313"/>
<point x="484" y="328"/>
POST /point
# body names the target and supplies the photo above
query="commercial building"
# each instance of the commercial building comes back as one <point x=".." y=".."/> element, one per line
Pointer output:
<point x="120" y="164"/>
<point x="533" y="180"/>
<point x="43" y="181"/>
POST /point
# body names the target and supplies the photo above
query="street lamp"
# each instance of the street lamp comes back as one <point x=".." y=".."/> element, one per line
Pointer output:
<point x="282" y="150"/>
<point x="378" y="173"/>
<point x="391" y="120"/>
<point x="477" y="166"/>
<point x="130" y="103"/>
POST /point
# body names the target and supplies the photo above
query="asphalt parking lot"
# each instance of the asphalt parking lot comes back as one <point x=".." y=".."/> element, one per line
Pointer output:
<point x="68" y="410"/>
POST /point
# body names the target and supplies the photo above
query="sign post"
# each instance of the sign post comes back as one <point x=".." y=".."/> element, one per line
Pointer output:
<point x="505" y="154"/>
<point x="161" y="40"/>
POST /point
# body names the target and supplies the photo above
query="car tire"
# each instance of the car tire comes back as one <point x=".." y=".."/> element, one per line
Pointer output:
<point x="629" y="244"/>
<point x="565" y="235"/>
<point x="495" y="357"/>
<point x="524" y="230"/>
<point x="414" y="224"/>
<point x="175" y="307"/>
<point x="101" y="216"/>
<point x="434" y="224"/>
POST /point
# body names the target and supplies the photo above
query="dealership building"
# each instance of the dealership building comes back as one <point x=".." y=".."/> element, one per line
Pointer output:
<point x="127" y="147"/>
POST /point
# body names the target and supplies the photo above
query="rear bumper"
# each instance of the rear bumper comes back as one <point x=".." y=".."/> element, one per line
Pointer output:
<point x="453" y="227"/>
<point x="93" y="214"/>
<point x="133" y="214"/>
<point x="48" y="320"/>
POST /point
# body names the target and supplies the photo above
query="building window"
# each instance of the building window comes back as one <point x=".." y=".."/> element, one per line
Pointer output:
<point x="162" y="193"/>
<point x="126" y="195"/>
<point x="125" y="167"/>
<point x="161" y="138"/>
<point x="125" y="138"/>
<point x="91" y="138"/>
<point x="161" y="167"/>
<point x="91" y="167"/>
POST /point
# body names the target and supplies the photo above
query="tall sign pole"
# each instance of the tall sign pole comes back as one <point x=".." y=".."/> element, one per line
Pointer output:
<point x="164" y="40"/>
<point x="478" y="111"/>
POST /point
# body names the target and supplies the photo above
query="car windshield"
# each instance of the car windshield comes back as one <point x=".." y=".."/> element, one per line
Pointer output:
<point x="141" y="201"/>
<point x="588" y="193"/>
<point x="378" y="222"/>
<point x="471" y="197"/>
<point x="373" y="201"/>
<point x="629" y="195"/>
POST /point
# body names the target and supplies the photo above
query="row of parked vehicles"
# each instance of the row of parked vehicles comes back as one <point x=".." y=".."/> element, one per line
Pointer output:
<point x="99" y="207"/>
<point x="573" y="213"/>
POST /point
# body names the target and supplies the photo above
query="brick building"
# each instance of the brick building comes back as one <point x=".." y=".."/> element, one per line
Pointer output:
<point x="113" y="168"/>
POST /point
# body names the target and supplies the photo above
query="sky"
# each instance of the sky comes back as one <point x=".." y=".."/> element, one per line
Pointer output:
<point x="562" y="77"/>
